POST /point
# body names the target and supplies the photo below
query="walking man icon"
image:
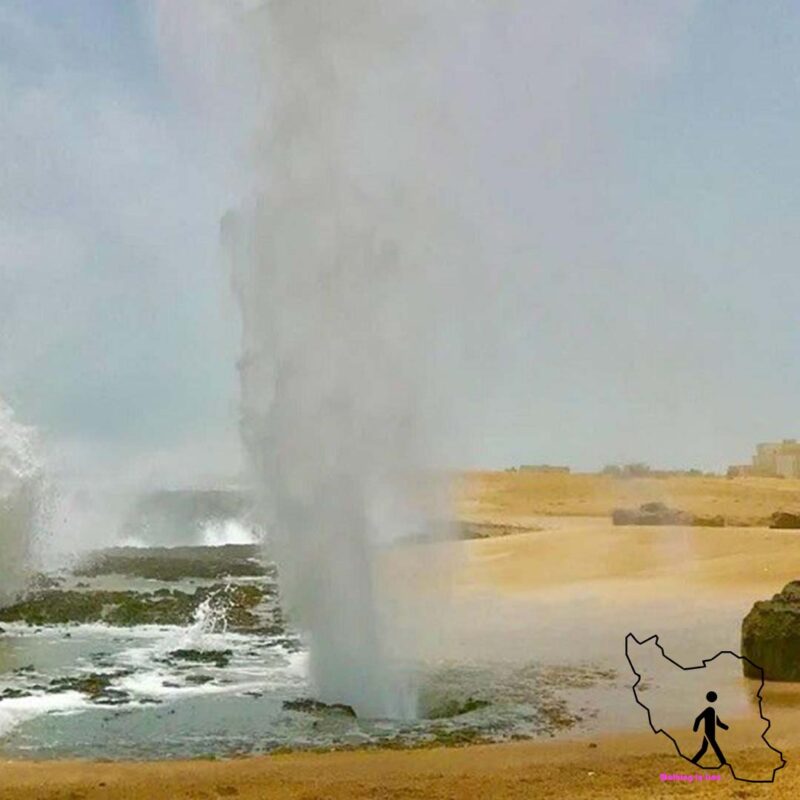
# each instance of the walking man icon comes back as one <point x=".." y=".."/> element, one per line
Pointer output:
<point x="711" y="720"/>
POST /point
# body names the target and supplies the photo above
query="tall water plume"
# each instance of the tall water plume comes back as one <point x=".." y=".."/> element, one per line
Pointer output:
<point x="341" y="270"/>
<point x="20" y="500"/>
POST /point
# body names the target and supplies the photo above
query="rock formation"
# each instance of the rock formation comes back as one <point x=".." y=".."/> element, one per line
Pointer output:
<point x="771" y="636"/>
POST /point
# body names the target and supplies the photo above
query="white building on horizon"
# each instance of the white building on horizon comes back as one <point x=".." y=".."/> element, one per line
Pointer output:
<point x="778" y="458"/>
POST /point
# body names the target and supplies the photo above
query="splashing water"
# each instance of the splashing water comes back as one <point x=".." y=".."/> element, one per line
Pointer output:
<point x="210" y="617"/>
<point x="229" y="531"/>
<point x="20" y="500"/>
<point x="338" y="266"/>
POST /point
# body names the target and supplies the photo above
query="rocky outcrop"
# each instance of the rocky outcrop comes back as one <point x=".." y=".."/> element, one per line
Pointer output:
<point x="771" y="636"/>
<point x="162" y="607"/>
<point x="492" y="530"/>
<point x="717" y="521"/>
<point x="219" y="658"/>
<point x="784" y="519"/>
<point x="176" y="563"/>
<point x="311" y="706"/>
<point x="651" y="514"/>
<point x="660" y="514"/>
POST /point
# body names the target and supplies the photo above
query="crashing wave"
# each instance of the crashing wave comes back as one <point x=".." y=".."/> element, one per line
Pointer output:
<point x="21" y="482"/>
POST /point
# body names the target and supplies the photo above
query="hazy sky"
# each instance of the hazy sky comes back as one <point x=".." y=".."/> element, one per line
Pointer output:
<point x="635" y="171"/>
<point x="118" y="334"/>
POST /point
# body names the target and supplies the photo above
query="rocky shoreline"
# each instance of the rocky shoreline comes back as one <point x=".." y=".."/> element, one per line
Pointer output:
<point x="176" y="563"/>
<point x="771" y="636"/>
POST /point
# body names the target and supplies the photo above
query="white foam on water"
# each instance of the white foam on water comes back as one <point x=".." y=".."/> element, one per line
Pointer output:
<point x="16" y="710"/>
<point x="254" y="666"/>
<point x="249" y="669"/>
<point x="93" y="629"/>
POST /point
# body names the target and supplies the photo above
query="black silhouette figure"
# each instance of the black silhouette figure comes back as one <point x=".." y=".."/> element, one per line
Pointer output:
<point x="711" y="720"/>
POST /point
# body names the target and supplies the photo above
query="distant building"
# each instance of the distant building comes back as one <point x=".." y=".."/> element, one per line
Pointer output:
<point x="779" y="459"/>
<point x="543" y="468"/>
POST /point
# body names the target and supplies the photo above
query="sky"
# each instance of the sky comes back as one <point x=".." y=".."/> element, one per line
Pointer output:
<point x="631" y="172"/>
<point x="118" y="337"/>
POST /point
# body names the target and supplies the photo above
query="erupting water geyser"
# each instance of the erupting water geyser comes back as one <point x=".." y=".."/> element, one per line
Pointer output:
<point x="336" y="264"/>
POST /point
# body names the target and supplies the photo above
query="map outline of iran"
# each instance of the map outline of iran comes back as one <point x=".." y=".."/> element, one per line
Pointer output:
<point x="630" y="637"/>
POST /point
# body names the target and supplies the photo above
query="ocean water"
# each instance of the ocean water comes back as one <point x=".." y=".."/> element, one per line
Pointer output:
<point x="230" y="695"/>
<point x="153" y="705"/>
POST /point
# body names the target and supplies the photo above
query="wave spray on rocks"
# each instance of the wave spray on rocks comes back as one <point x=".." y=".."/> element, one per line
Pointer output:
<point x="21" y="484"/>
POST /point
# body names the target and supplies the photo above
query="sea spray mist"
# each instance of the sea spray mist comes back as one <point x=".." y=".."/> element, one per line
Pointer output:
<point x="21" y="493"/>
<point x="340" y="265"/>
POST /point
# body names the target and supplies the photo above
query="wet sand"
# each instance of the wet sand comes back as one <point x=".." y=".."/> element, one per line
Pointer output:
<point x="567" y="594"/>
<point x="618" y="767"/>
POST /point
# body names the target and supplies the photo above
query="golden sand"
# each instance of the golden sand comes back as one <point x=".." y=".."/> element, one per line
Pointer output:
<point x="517" y="497"/>
<point x="617" y="767"/>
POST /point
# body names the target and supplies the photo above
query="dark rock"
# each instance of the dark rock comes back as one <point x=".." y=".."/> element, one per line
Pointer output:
<point x="717" y="521"/>
<point x="175" y="563"/>
<point x="199" y="680"/>
<point x="455" y="708"/>
<point x="114" y="697"/>
<point x="94" y="684"/>
<point x="41" y="581"/>
<point x="771" y="636"/>
<point x="651" y="514"/>
<point x="449" y="737"/>
<point x="127" y="608"/>
<point x="12" y="693"/>
<point x="309" y="706"/>
<point x="288" y="643"/>
<point x="219" y="658"/>
<point x="491" y="530"/>
<point x="785" y="520"/>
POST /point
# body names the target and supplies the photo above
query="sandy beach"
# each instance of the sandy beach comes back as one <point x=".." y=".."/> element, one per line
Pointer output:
<point x="521" y="497"/>
<point x="569" y="586"/>
<point x="617" y="767"/>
